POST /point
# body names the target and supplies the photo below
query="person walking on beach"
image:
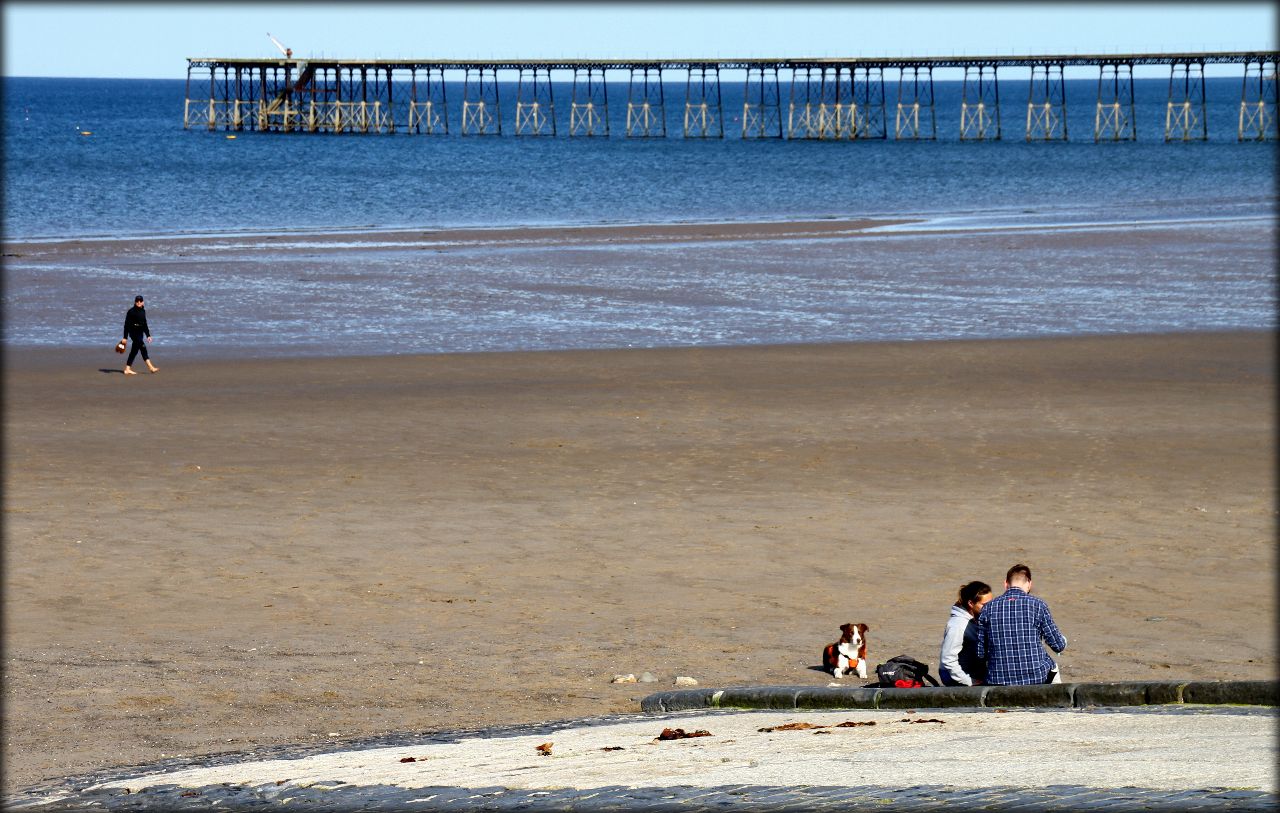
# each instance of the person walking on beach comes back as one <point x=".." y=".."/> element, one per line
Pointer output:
<point x="1010" y="631"/>
<point x="959" y="664"/>
<point x="135" y="329"/>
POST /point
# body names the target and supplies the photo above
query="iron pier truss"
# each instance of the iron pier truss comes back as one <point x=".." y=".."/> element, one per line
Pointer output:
<point x="783" y="98"/>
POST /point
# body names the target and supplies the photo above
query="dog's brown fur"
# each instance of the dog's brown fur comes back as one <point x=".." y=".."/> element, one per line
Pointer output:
<point x="841" y="650"/>
<point x="846" y="635"/>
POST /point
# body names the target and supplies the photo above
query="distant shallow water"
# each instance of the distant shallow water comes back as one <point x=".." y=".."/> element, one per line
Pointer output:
<point x="321" y="297"/>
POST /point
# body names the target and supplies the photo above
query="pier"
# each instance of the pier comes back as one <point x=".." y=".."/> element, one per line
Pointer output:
<point x="830" y="99"/>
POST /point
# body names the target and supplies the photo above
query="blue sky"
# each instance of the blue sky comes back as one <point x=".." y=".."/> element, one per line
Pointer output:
<point x="154" y="40"/>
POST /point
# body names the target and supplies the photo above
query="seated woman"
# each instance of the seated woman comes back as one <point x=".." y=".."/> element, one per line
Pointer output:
<point x="958" y="665"/>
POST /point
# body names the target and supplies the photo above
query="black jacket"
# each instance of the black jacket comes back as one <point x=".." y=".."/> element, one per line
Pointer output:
<point x="135" y="323"/>
<point x="972" y="665"/>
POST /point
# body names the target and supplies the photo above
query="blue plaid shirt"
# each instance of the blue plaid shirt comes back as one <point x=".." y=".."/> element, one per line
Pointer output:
<point x="1010" y="629"/>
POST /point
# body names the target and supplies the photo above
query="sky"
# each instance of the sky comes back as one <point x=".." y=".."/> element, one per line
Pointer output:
<point x="154" y="40"/>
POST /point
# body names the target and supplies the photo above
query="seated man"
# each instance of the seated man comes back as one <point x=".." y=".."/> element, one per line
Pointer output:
<point x="1010" y="631"/>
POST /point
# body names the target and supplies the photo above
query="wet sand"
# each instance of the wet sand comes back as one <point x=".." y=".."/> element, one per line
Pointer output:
<point x="498" y="237"/>
<point x="228" y="554"/>
<point x="375" y="292"/>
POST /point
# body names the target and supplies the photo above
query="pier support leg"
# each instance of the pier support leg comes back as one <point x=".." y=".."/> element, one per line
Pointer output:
<point x="323" y="111"/>
<point x="1184" y="118"/>
<point x="980" y="104"/>
<point x="589" y="108"/>
<point x="242" y="101"/>
<point x="868" y="103"/>
<point x="223" y="109"/>
<point x="343" y="109"/>
<point x="481" y="110"/>
<point x="837" y="111"/>
<point x="277" y="109"/>
<point x="761" y="113"/>
<point x="198" y="108"/>
<point x="371" y="107"/>
<point x="1047" y="104"/>
<point x="535" y="103"/>
<point x="317" y="107"/>
<point x="915" y="97"/>
<point x="798" y="106"/>
<point x="646" y="106"/>
<point x="703" y="113"/>
<point x="428" y="112"/>
<point x="264" y="98"/>
<point x="224" y="99"/>
<point x="1259" y="102"/>
<point x="387" y="119"/>
<point x="1113" y="119"/>
<point x="812" y="113"/>
<point x="364" y="108"/>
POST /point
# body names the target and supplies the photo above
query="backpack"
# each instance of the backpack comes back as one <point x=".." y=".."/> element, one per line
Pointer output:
<point x="903" y="672"/>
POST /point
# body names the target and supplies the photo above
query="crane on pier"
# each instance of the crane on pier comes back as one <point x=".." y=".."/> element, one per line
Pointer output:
<point x="288" y="52"/>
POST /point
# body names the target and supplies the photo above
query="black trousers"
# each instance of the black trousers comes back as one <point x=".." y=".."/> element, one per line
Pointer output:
<point x="139" y="343"/>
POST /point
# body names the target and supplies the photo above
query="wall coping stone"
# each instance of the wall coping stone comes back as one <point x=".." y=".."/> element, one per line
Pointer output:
<point x="1051" y="695"/>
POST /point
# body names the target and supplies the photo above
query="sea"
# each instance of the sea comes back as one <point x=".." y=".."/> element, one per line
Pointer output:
<point x="109" y="159"/>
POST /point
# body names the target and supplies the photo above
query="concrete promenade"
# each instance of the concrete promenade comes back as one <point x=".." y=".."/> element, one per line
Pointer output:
<point x="1071" y="746"/>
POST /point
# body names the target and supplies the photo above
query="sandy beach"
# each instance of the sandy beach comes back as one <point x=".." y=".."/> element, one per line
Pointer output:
<point x="228" y="554"/>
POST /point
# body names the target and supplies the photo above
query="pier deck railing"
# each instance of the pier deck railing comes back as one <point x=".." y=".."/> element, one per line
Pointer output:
<point x="821" y="98"/>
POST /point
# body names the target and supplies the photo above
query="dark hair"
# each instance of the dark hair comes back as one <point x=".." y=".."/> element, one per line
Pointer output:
<point x="970" y="592"/>
<point x="138" y="298"/>
<point x="1018" y="570"/>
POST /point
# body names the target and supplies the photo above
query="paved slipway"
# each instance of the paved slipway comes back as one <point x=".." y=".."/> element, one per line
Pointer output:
<point x="1113" y="747"/>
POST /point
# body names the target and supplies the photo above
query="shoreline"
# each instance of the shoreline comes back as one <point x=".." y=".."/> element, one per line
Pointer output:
<point x="285" y="551"/>
<point x="686" y="230"/>
<point x="78" y="357"/>
<point x="487" y="235"/>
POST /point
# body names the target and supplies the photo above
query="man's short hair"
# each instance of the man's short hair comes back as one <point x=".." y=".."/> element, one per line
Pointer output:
<point x="1018" y="570"/>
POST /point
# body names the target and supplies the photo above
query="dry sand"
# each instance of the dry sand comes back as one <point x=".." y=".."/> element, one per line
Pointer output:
<point x="229" y="554"/>
<point x="882" y="749"/>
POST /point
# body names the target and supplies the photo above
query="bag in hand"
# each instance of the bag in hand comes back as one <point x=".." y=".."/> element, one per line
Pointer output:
<point x="121" y="346"/>
<point x="904" y="672"/>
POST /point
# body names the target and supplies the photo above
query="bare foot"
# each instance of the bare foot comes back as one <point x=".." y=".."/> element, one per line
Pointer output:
<point x="127" y="371"/>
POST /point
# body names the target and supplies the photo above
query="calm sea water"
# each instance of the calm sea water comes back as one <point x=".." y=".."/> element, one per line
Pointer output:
<point x="141" y="173"/>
